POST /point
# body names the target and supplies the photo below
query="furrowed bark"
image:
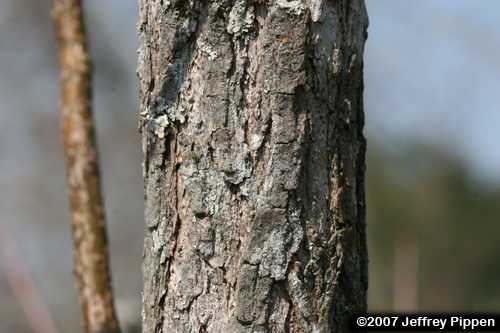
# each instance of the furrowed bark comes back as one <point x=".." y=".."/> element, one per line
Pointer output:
<point x="252" y="119"/>
<point x="87" y="211"/>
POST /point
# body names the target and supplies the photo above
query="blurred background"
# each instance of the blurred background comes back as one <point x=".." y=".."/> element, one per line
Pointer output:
<point x="433" y="123"/>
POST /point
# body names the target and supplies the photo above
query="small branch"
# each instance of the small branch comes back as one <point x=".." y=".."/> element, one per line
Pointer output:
<point x="87" y="211"/>
<point x="23" y="288"/>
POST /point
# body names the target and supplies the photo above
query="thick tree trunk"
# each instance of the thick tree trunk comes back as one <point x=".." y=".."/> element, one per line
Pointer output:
<point x="252" y="118"/>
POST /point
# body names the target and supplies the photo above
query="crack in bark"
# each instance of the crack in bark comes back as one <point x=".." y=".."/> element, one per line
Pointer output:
<point x="262" y="192"/>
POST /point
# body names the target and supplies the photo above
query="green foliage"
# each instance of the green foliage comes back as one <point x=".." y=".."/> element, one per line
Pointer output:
<point x="428" y="198"/>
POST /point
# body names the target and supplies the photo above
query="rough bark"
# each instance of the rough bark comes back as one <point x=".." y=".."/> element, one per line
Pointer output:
<point x="87" y="210"/>
<point x="252" y="119"/>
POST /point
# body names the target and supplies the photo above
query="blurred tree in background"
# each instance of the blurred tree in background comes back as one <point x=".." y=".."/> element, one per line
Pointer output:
<point x="426" y="204"/>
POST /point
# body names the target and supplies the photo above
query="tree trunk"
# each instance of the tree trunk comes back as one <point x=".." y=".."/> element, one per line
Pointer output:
<point x="252" y="119"/>
<point x="88" y="222"/>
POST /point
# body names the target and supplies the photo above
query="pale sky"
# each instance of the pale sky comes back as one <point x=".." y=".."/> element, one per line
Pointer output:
<point x="433" y="76"/>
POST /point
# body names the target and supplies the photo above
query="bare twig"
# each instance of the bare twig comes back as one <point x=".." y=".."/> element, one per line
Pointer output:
<point x="88" y="222"/>
<point x="23" y="288"/>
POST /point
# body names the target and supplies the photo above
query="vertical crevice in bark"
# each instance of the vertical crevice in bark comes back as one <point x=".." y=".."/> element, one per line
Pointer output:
<point x="87" y="210"/>
<point x="255" y="221"/>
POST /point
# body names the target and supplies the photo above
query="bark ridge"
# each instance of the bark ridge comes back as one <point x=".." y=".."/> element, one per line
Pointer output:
<point x="252" y="119"/>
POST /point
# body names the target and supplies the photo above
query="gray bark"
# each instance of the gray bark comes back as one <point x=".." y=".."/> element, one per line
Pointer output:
<point x="252" y="119"/>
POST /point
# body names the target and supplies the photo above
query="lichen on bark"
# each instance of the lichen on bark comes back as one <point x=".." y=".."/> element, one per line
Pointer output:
<point x="255" y="201"/>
